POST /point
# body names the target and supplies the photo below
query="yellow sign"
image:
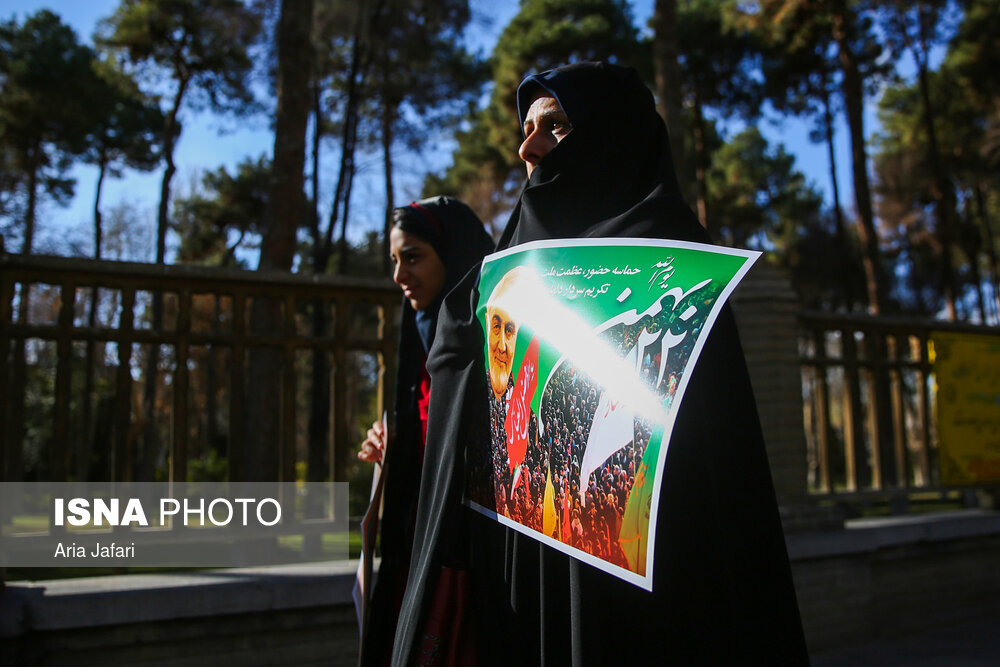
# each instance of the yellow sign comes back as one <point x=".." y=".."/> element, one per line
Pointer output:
<point x="967" y="383"/>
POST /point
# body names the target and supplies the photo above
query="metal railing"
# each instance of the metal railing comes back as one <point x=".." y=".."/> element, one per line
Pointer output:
<point x="80" y="344"/>
<point x="869" y="405"/>
<point x="121" y="367"/>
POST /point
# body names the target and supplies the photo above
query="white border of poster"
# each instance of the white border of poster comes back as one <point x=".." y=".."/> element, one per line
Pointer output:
<point x="578" y="283"/>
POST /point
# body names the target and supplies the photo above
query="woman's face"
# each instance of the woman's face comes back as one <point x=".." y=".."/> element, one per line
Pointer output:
<point x="545" y="125"/>
<point x="417" y="269"/>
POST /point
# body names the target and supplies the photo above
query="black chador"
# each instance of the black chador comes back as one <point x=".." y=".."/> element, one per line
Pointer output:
<point x="722" y="587"/>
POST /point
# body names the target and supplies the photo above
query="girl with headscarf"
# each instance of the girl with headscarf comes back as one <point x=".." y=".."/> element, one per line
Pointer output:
<point x="722" y="588"/>
<point x="433" y="243"/>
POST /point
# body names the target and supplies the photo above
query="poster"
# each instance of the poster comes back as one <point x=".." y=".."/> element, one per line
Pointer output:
<point x="589" y="347"/>
<point x="967" y="381"/>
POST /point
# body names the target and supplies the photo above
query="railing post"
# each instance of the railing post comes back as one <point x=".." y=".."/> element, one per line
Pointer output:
<point x="822" y="413"/>
<point x="64" y="368"/>
<point x="859" y="464"/>
<point x="929" y="463"/>
<point x="122" y="453"/>
<point x="6" y="313"/>
<point x="340" y="433"/>
<point x="899" y="439"/>
<point x="288" y="425"/>
<point x="237" y="388"/>
<point x="15" y="426"/>
<point x="884" y="466"/>
<point x="178" y="461"/>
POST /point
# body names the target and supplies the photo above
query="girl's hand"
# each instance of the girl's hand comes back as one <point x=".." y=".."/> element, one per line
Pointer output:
<point x="373" y="448"/>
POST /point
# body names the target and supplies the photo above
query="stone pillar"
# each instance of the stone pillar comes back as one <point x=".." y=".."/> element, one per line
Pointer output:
<point x="765" y="307"/>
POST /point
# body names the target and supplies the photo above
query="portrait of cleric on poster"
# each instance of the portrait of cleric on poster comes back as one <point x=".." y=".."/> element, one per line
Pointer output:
<point x="589" y="347"/>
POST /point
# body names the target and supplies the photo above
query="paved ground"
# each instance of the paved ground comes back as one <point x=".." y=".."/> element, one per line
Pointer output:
<point x="974" y="644"/>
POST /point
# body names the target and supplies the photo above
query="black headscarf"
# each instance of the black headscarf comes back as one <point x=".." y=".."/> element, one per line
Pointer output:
<point x="722" y="587"/>
<point x="458" y="237"/>
<point x="612" y="175"/>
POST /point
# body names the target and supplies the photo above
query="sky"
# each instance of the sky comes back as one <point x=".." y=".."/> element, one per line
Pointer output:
<point x="209" y="142"/>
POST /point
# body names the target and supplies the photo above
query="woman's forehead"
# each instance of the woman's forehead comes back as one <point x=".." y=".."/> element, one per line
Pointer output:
<point x="543" y="104"/>
<point x="403" y="240"/>
<point x="528" y="92"/>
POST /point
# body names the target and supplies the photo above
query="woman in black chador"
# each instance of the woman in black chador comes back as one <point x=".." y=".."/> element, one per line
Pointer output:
<point x="433" y="243"/>
<point x="599" y="165"/>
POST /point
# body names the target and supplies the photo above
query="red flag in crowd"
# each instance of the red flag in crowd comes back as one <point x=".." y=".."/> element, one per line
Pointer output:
<point x="519" y="408"/>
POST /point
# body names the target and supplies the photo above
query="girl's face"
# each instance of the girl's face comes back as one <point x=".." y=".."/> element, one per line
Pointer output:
<point x="417" y="269"/>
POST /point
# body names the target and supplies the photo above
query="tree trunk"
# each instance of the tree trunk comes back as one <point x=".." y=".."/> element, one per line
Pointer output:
<point x="262" y="443"/>
<point x="286" y="202"/>
<point x="991" y="254"/>
<point x="320" y="251"/>
<point x="701" y="160"/>
<point x="941" y="189"/>
<point x="98" y="235"/>
<point x="16" y="428"/>
<point x="347" y="140"/>
<point x="838" y="213"/>
<point x="86" y="434"/>
<point x="314" y="176"/>
<point x="669" y="90"/>
<point x="361" y="59"/>
<point x="319" y="397"/>
<point x="169" y="143"/>
<point x="387" y="118"/>
<point x="348" y="188"/>
<point x="150" y="446"/>
<point x="854" y="104"/>
<point x="29" y="216"/>
<point x="887" y="473"/>
<point x="977" y="279"/>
